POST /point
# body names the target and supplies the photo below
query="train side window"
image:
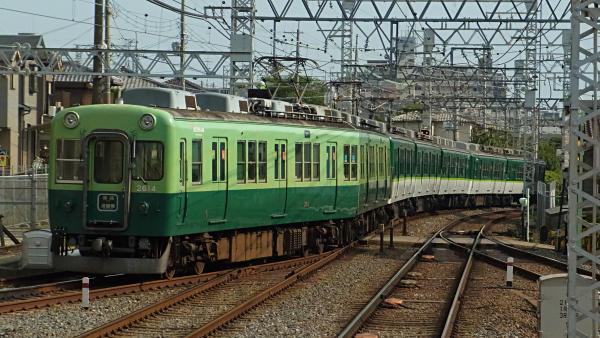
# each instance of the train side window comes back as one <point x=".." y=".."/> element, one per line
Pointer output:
<point x="68" y="161"/>
<point x="346" y="162"/>
<point x="241" y="161"/>
<point x="298" y="156"/>
<point x="251" y="161"/>
<point x="222" y="169"/>
<point x="307" y="161"/>
<point x="219" y="156"/>
<point x="328" y="162"/>
<point x="215" y="159"/>
<point x="196" y="161"/>
<point x="354" y="163"/>
<point x="333" y="162"/>
<point x="362" y="161"/>
<point x="262" y="161"/>
<point x="283" y="159"/>
<point x="276" y="161"/>
<point x="316" y="161"/>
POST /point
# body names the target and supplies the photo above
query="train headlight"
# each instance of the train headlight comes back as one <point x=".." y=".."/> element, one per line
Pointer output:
<point x="147" y="122"/>
<point x="71" y="120"/>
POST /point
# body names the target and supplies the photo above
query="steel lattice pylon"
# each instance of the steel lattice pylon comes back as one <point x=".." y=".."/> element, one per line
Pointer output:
<point x="531" y="111"/>
<point x="584" y="168"/>
<point x="242" y="40"/>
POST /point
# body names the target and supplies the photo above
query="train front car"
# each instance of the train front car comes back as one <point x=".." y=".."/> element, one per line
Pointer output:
<point x="109" y="200"/>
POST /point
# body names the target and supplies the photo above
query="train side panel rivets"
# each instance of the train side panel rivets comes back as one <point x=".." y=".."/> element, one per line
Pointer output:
<point x="509" y="271"/>
<point x="85" y="292"/>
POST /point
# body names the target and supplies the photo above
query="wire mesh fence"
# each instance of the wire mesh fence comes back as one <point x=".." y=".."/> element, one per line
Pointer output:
<point x="24" y="199"/>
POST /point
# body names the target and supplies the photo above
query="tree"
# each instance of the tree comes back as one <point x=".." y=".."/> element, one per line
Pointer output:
<point x="288" y="90"/>
<point x="492" y="137"/>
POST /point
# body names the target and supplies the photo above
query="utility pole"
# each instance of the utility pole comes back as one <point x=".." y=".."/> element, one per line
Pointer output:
<point x="107" y="14"/>
<point x="97" y="66"/>
<point x="297" y="78"/>
<point x="182" y="42"/>
<point x="297" y="64"/>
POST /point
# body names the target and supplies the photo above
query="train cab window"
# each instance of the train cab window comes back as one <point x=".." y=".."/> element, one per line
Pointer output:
<point x="354" y="163"/>
<point x="241" y="161"/>
<point x="262" y="161"/>
<point x="68" y="161"/>
<point x="108" y="161"/>
<point x="197" y="161"/>
<point x="346" y="162"/>
<point x="316" y="161"/>
<point x="148" y="161"/>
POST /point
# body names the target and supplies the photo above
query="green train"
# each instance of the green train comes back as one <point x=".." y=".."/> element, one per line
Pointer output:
<point x="144" y="190"/>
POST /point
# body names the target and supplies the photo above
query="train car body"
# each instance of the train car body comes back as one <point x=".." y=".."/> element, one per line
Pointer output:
<point x="137" y="189"/>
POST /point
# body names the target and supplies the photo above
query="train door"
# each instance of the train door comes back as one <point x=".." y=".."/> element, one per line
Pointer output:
<point x="106" y="170"/>
<point x="280" y="172"/>
<point x="331" y="174"/>
<point x="183" y="196"/>
<point x="217" y="208"/>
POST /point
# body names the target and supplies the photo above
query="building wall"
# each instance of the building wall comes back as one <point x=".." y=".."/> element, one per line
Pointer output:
<point x="30" y="91"/>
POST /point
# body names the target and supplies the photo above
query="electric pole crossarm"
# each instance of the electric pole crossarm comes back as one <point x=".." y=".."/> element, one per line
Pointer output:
<point x="146" y="63"/>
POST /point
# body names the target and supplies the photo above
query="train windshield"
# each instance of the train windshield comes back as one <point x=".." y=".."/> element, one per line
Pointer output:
<point x="108" y="161"/>
<point x="68" y="161"/>
<point x="148" y="161"/>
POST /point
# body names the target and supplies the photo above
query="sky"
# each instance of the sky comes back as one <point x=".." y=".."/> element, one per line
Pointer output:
<point x="138" y="23"/>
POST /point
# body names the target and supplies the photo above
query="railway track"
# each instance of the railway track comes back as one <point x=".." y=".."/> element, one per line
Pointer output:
<point x="231" y="294"/>
<point x="422" y="298"/>
<point x="39" y="296"/>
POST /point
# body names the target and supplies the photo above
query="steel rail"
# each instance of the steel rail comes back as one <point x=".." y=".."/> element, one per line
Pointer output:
<point x="75" y="296"/>
<point x="164" y="304"/>
<point x="531" y="275"/>
<point x="555" y="263"/>
<point x="357" y="321"/>
<point x="261" y="297"/>
<point x="462" y="284"/>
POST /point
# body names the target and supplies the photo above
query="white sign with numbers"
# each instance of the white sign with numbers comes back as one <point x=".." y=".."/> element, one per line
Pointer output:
<point x="554" y="309"/>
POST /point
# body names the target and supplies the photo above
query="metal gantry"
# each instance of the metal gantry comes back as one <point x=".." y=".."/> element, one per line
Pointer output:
<point x="242" y="41"/>
<point x="584" y="169"/>
<point x="531" y="110"/>
<point x="129" y="62"/>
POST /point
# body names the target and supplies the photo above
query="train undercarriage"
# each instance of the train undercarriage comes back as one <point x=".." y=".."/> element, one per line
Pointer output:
<point x="190" y="253"/>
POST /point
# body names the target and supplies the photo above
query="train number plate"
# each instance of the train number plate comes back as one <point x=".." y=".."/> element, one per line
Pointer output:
<point x="108" y="202"/>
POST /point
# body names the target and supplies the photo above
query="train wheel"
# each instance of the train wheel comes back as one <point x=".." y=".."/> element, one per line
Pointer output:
<point x="305" y="251"/>
<point x="171" y="268"/>
<point x="320" y="247"/>
<point x="199" y="267"/>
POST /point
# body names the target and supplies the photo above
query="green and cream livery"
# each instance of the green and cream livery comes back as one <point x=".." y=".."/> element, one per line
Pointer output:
<point x="136" y="189"/>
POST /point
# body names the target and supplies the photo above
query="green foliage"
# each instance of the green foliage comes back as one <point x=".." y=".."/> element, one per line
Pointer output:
<point x="314" y="94"/>
<point x="418" y="106"/>
<point x="492" y="137"/>
<point x="547" y="153"/>
<point x="556" y="177"/>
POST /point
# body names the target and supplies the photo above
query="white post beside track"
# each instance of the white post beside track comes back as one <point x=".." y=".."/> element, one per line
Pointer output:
<point x="85" y="292"/>
<point x="509" y="272"/>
